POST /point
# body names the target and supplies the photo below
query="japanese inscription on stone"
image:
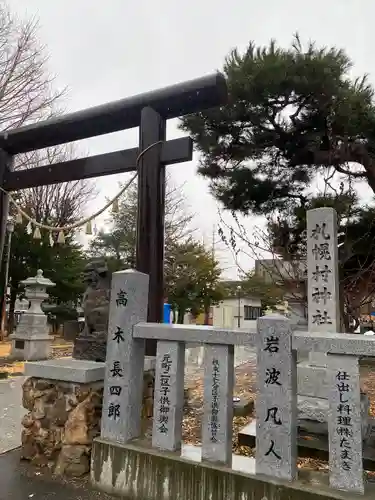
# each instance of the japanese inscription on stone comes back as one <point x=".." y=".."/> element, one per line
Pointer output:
<point x="125" y="357"/>
<point x="345" y="425"/>
<point x="215" y="400"/>
<point x="218" y="403"/>
<point x="164" y="404"/>
<point x="322" y="262"/>
<point x="114" y="408"/>
<point x="276" y="401"/>
<point x="169" y="395"/>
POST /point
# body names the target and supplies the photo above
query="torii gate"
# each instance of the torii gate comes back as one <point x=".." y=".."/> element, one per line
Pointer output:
<point x="149" y="111"/>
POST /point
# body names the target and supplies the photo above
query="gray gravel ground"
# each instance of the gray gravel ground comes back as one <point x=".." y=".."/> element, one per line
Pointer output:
<point x="11" y="413"/>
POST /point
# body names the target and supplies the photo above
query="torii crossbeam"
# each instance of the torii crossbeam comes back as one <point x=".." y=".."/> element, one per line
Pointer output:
<point x="150" y="112"/>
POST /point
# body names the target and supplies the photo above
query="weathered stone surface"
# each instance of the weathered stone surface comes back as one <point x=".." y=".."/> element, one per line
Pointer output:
<point x="42" y="385"/>
<point x="275" y="405"/>
<point x="243" y="407"/>
<point x="314" y="385"/>
<point x="66" y="369"/>
<point x="81" y="421"/>
<point x="313" y="414"/>
<point x="217" y="422"/>
<point x="63" y="420"/>
<point x="29" y="447"/>
<point x="345" y="425"/>
<point x="58" y="413"/>
<point x="169" y="394"/>
<point x="73" y="461"/>
<point x="322" y="269"/>
<point x="27" y="420"/>
<point x="322" y="276"/>
<point x="125" y="359"/>
<point x="91" y="343"/>
<point x="61" y="417"/>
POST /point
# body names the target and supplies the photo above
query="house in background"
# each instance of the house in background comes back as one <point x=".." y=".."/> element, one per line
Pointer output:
<point x="292" y="278"/>
<point x="237" y="310"/>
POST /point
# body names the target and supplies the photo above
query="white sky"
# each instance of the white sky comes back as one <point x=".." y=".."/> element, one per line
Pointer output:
<point x="105" y="51"/>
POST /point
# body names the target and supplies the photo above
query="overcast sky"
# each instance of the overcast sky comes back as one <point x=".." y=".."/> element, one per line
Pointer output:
<point x="103" y="51"/>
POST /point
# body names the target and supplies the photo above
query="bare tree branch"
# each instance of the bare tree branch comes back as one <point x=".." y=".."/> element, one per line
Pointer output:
<point x="55" y="204"/>
<point x="27" y="89"/>
<point x="28" y="94"/>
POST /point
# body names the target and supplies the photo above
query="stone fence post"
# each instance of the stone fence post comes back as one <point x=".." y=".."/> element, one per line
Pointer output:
<point x="276" y="402"/>
<point x="123" y="384"/>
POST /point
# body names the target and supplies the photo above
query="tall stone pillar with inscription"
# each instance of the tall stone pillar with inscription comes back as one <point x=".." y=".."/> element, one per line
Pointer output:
<point x="323" y="317"/>
<point x="345" y="424"/>
<point x="122" y="398"/>
<point x="275" y="406"/>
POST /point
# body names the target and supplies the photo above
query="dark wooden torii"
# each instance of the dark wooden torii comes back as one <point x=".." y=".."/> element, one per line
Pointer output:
<point x="149" y="111"/>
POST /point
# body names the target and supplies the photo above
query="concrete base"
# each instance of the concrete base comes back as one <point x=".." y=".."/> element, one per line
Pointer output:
<point x="67" y="370"/>
<point x="73" y="370"/>
<point x="137" y="471"/>
<point x="30" y="347"/>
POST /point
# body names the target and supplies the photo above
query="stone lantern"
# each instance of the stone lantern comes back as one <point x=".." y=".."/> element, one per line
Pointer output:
<point x="31" y="340"/>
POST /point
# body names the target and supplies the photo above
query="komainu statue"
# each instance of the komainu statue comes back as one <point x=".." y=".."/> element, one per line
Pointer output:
<point x="91" y="343"/>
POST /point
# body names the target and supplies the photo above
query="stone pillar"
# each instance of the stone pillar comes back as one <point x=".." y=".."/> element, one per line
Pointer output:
<point x="345" y="425"/>
<point x="323" y="317"/>
<point x="275" y="406"/>
<point x="169" y="395"/>
<point x="31" y="340"/>
<point x="217" y="421"/>
<point x="122" y="398"/>
<point x="322" y="276"/>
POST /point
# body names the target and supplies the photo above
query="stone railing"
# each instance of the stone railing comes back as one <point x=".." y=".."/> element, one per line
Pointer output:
<point x="276" y="402"/>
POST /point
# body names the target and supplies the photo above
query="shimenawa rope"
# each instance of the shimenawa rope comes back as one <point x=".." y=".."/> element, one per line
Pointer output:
<point x="69" y="227"/>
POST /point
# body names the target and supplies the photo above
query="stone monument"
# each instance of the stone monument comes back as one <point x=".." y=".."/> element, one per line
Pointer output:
<point x="275" y="406"/>
<point x="31" y="341"/>
<point x="91" y="343"/>
<point x="324" y="317"/>
<point x="64" y="396"/>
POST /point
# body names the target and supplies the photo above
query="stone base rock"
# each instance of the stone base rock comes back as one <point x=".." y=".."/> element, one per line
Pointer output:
<point x="64" y="418"/>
